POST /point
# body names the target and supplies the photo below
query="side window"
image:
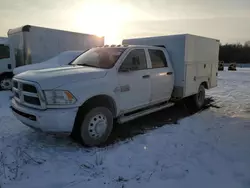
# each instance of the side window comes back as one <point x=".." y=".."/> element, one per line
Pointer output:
<point x="158" y="58"/>
<point x="135" y="60"/>
<point x="4" y="52"/>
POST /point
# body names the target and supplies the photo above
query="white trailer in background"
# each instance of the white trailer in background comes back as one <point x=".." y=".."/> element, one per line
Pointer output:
<point x="5" y="58"/>
<point x="31" y="44"/>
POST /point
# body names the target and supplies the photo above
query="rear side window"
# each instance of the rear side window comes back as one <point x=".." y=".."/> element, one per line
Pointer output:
<point x="4" y="52"/>
<point x="136" y="60"/>
<point x="158" y="58"/>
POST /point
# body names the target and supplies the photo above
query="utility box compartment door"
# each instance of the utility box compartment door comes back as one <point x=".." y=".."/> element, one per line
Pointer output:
<point x="191" y="75"/>
<point x="204" y="70"/>
<point x="214" y="77"/>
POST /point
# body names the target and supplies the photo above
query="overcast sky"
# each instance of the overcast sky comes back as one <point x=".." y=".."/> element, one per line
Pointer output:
<point x="227" y="20"/>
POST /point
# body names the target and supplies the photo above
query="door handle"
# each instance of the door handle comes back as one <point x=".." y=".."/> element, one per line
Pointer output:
<point x="145" y="76"/>
<point x="169" y="73"/>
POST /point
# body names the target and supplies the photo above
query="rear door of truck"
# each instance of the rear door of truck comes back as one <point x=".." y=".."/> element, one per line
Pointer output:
<point x="161" y="76"/>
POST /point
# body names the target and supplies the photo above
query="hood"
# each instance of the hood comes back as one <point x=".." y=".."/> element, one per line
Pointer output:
<point x="62" y="59"/>
<point x="37" y="66"/>
<point x="56" y="77"/>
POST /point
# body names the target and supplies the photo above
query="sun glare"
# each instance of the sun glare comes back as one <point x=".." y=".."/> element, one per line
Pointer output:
<point x="102" y="20"/>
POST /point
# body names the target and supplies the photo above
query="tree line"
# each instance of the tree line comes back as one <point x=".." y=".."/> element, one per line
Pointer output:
<point x="238" y="53"/>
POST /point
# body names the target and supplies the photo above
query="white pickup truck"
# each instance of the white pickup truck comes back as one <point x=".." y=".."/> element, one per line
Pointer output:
<point x="116" y="83"/>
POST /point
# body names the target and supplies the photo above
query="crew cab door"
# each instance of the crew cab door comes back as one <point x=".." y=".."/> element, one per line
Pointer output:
<point x="161" y="76"/>
<point x="134" y="81"/>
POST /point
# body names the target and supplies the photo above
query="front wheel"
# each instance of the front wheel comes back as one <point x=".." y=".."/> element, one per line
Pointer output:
<point x="96" y="126"/>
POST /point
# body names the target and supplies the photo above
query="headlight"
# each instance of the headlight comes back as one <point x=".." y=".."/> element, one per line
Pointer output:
<point x="59" y="97"/>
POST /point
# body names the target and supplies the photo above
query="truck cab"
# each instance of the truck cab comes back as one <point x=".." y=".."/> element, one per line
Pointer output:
<point x="117" y="81"/>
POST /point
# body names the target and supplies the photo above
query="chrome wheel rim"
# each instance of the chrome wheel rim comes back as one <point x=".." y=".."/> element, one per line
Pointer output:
<point x="97" y="126"/>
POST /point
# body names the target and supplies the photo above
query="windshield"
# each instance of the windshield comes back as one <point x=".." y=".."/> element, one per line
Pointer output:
<point x="64" y="58"/>
<point x="4" y="51"/>
<point x="99" y="57"/>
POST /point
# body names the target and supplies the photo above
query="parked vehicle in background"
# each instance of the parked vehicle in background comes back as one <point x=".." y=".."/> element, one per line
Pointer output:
<point x="31" y="45"/>
<point x="221" y="66"/>
<point x="4" y="61"/>
<point x="232" y="67"/>
<point x="63" y="59"/>
<point x="117" y="82"/>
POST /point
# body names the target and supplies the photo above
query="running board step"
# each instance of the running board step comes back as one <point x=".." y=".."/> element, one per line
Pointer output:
<point x="127" y="118"/>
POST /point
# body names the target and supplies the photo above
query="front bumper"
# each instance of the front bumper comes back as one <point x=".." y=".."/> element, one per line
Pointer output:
<point x="50" y="120"/>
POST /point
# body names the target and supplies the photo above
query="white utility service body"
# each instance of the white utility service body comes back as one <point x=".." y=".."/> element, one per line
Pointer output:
<point x="31" y="44"/>
<point x="121" y="82"/>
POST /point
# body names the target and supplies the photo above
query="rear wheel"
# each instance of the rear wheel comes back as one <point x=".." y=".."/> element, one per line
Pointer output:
<point x="6" y="84"/>
<point x="95" y="126"/>
<point x="199" y="98"/>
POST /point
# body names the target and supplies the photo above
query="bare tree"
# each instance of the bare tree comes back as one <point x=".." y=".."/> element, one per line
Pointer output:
<point x="247" y="43"/>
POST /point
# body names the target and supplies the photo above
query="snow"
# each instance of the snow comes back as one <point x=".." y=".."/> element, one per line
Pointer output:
<point x="4" y="40"/>
<point x="207" y="149"/>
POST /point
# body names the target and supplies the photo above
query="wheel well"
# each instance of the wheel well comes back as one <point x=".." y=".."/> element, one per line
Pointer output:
<point x="100" y="100"/>
<point x="205" y="84"/>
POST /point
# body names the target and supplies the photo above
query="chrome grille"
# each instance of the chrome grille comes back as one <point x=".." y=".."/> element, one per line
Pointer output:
<point x="32" y="100"/>
<point x="29" y="88"/>
<point x="28" y="94"/>
<point x="15" y="84"/>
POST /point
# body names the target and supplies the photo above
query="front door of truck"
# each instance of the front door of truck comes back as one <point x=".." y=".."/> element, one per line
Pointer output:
<point x="161" y="76"/>
<point x="134" y="81"/>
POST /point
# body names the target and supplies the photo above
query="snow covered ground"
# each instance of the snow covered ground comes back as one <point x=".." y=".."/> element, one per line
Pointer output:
<point x="207" y="149"/>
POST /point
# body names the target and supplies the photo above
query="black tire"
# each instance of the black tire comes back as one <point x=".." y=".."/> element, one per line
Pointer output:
<point x="6" y="83"/>
<point x="199" y="98"/>
<point x="83" y="130"/>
